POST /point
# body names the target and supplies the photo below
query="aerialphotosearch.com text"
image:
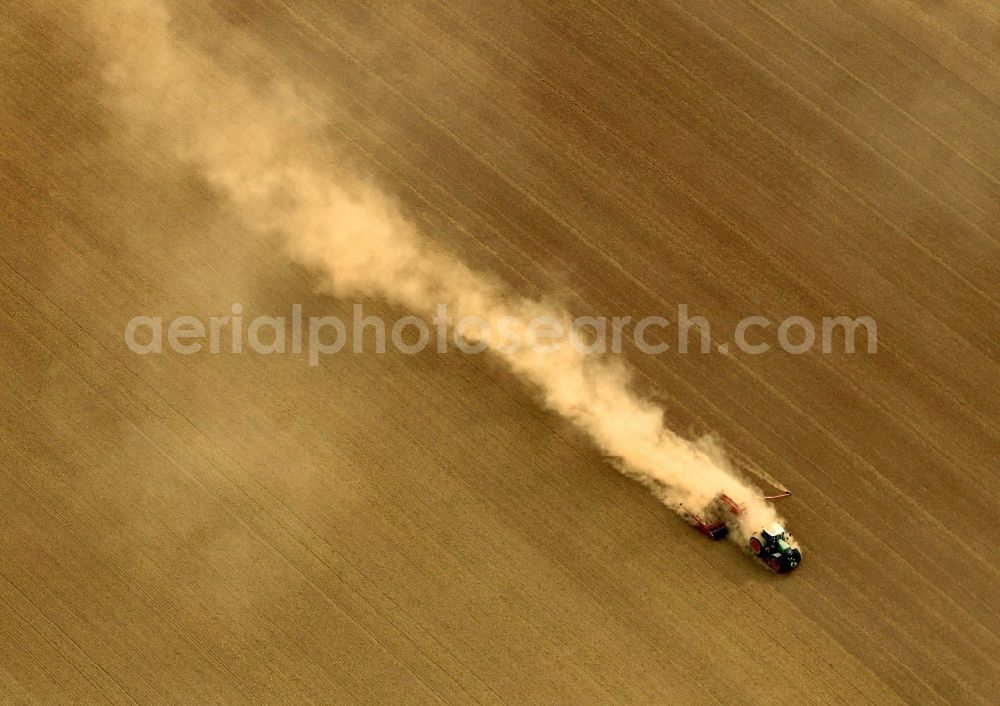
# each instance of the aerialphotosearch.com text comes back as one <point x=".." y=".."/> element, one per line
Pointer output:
<point x="319" y="336"/>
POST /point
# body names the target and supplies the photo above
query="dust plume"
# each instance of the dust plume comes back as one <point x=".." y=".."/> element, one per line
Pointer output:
<point x="260" y="148"/>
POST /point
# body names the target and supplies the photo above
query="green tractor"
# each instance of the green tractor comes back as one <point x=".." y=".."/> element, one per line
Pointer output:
<point x="772" y="546"/>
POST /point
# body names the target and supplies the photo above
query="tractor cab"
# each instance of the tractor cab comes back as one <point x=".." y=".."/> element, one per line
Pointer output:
<point x="773" y="533"/>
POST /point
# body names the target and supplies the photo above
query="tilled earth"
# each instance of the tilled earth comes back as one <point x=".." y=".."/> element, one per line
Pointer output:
<point x="390" y="528"/>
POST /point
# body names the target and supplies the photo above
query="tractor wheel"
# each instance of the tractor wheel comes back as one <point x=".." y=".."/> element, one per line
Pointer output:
<point x="755" y="545"/>
<point x="775" y="565"/>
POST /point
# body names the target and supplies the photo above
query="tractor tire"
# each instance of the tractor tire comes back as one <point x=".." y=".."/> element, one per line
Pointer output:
<point x="775" y="565"/>
<point x="755" y="545"/>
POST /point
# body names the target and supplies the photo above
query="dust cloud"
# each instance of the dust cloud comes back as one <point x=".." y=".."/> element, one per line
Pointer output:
<point x="262" y="149"/>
